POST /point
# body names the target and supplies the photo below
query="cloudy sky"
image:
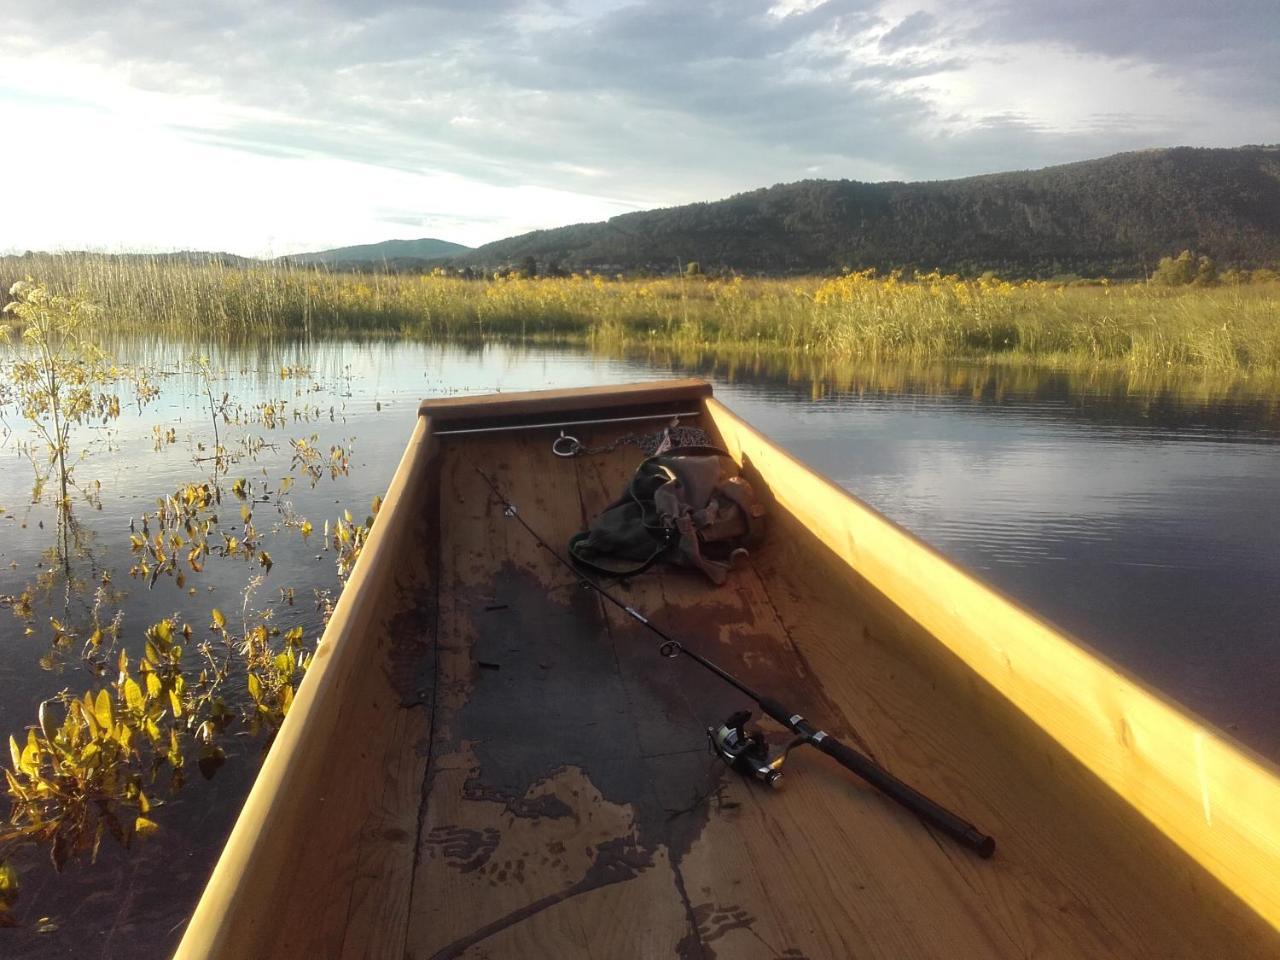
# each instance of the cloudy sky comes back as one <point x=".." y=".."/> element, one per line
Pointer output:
<point x="258" y="126"/>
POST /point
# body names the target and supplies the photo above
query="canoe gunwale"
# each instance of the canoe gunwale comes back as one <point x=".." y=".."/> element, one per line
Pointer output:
<point x="528" y="409"/>
<point x="263" y="830"/>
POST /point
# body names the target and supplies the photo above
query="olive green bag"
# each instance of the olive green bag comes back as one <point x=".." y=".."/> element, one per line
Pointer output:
<point x="690" y="506"/>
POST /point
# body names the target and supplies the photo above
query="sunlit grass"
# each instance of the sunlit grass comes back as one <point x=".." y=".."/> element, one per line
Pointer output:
<point x="859" y="315"/>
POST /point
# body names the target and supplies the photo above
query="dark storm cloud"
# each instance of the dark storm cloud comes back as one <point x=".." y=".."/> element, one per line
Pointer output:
<point x="659" y="101"/>
<point x="1230" y="46"/>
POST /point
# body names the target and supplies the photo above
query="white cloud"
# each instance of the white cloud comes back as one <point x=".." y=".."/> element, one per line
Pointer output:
<point x="113" y="173"/>
<point x="255" y="128"/>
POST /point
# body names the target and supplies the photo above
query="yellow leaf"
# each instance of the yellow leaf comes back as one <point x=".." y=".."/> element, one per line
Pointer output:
<point x="47" y="725"/>
<point x="175" y="703"/>
<point x="143" y="827"/>
<point x="30" y="762"/>
<point x="255" y="688"/>
<point x="133" y="694"/>
<point x="15" y="753"/>
<point x="102" y="709"/>
<point x="174" y="755"/>
<point x="8" y="882"/>
<point x="78" y="709"/>
<point x="154" y="686"/>
<point x="15" y="787"/>
<point x="219" y="620"/>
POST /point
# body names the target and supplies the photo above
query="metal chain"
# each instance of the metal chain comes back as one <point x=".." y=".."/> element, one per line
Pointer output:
<point x="648" y="443"/>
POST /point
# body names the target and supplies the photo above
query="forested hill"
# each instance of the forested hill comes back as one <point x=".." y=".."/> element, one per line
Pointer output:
<point x="1115" y="216"/>
<point x="427" y="248"/>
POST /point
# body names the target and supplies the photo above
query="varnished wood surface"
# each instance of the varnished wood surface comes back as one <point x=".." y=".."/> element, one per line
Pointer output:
<point x="574" y="797"/>
<point x="1216" y="799"/>
<point x="505" y="767"/>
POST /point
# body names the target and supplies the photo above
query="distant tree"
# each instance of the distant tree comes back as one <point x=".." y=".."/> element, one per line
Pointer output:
<point x="693" y="269"/>
<point x="528" y="267"/>
<point x="1206" y="272"/>
<point x="1100" y="218"/>
<point x="1176" y="271"/>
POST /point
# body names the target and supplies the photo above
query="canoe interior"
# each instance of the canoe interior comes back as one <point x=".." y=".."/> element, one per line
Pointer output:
<point x="508" y="769"/>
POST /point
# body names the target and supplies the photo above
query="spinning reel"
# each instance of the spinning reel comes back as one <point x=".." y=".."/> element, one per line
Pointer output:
<point x="747" y="751"/>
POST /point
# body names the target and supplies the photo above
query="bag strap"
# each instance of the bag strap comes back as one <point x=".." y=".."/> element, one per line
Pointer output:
<point x="600" y="571"/>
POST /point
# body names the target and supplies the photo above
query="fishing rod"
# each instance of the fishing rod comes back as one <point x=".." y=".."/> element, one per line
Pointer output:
<point x="747" y="752"/>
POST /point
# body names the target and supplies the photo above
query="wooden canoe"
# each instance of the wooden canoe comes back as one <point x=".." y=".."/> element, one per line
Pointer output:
<point x="487" y="761"/>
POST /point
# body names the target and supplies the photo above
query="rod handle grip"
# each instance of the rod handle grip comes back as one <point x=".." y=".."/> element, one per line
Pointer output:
<point x="959" y="829"/>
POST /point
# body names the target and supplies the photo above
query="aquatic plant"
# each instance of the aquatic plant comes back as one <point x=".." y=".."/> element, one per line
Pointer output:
<point x="99" y="761"/>
<point x="859" y="314"/>
<point x="55" y="378"/>
<point x="80" y="774"/>
<point x="61" y="379"/>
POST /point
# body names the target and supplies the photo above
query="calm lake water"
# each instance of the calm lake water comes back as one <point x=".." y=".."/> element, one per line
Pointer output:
<point x="1142" y="517"/>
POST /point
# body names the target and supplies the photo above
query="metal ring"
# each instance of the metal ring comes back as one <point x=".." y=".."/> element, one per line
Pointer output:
<point x="670" y="649"/>
<point x="571" y="444"/>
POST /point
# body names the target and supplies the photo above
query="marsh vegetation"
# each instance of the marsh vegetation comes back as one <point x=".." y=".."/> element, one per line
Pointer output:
<point x="1228" y="326"/>
<point x="140" y="704"/>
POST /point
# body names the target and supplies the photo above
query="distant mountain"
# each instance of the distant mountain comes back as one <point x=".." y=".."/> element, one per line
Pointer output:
<point x="391" y="251"/>
<point x="196" y="257"/>
<point x="1115" y="216"/>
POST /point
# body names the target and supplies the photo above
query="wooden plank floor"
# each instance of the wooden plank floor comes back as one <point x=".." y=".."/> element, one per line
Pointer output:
<point x="571" y="808"/>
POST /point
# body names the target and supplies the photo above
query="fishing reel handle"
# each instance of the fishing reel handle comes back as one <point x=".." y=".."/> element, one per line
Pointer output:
<point x="746" y="752"/>
<point x="959" y="829"/>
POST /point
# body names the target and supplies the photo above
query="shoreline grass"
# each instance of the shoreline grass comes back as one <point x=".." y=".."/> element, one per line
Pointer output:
<point x="856" y="316"/>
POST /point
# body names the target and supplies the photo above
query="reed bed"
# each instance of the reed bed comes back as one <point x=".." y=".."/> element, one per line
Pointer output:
<point x="858" y="315"/>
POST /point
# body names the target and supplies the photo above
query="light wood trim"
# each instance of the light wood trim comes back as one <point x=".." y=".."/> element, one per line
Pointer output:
<point x="238" y="903"/>
<point x="468" y="409"/>
<point x="1219" y="802"/>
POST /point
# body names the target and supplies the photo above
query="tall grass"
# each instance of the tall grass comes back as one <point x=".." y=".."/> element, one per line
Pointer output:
<point x="858" y="315"/>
